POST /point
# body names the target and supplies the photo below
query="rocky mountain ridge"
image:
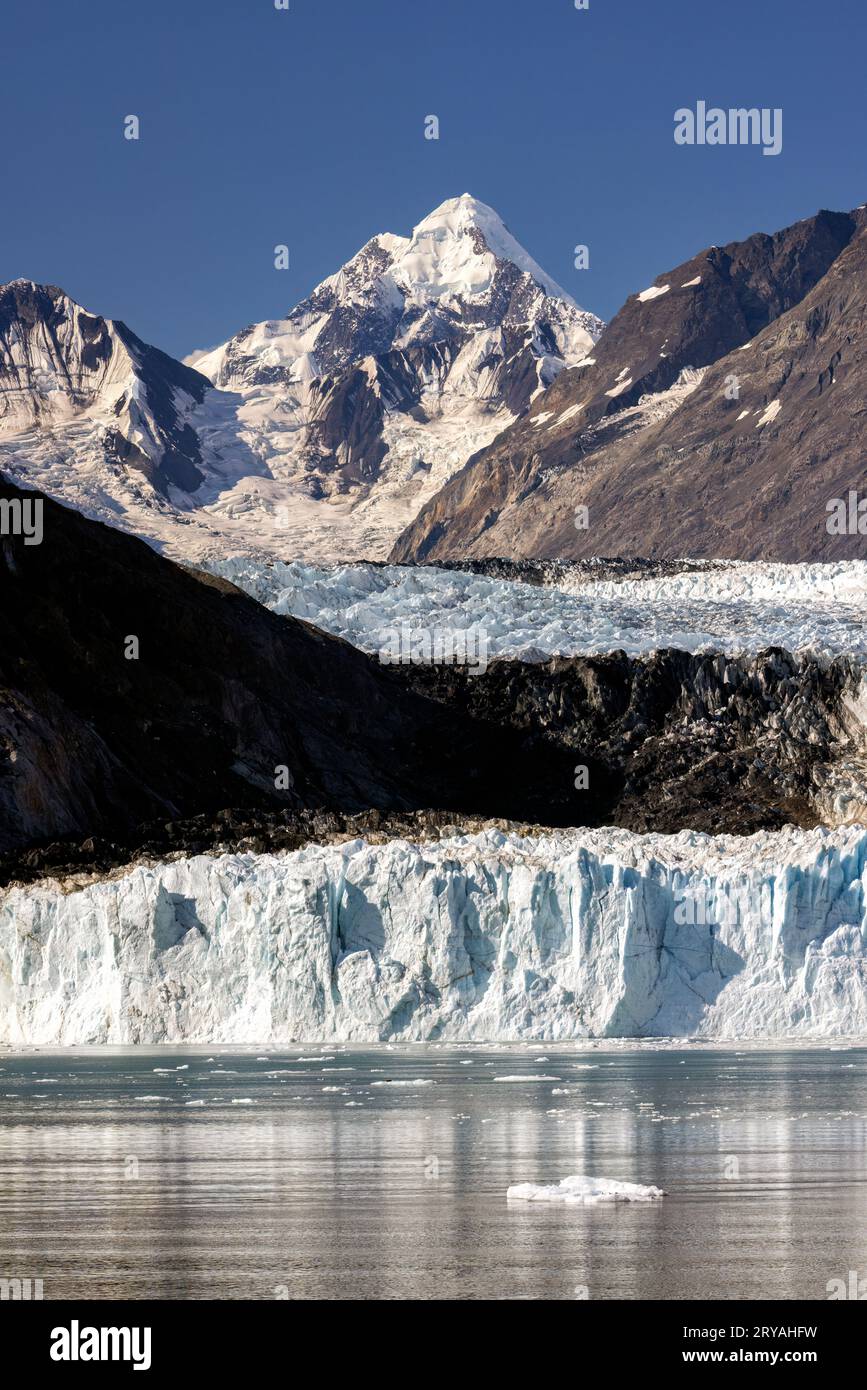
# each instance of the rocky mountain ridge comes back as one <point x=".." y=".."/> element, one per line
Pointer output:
<point x="316" y="436"/>
<point x="701" y="425"/>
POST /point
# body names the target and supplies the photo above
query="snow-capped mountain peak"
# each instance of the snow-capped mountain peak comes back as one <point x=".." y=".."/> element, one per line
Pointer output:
<point x="455" y="248"/>
<point x="55" y="358"/>
<point x="461" y="264"/>
<point x="329" y="428"/>
<point x="381" y="383"/>
<point x="67" y="374"/>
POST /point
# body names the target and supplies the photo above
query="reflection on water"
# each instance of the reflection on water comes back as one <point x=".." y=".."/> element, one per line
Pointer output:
<point x="132" y="1173"/>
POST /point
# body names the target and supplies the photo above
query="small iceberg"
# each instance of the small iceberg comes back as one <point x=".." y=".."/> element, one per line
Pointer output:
<point x="584" y="1191"/>
<point x="526" y="1078"/>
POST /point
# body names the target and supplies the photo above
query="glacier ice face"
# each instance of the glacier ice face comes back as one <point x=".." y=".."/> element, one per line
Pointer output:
<point x="736" y="608"/>
<point x="563" y="935"/>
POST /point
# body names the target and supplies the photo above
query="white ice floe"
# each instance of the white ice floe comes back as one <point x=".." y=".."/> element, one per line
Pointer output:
<point x="563" y="935"/>
<point x="519" y="1077"/>
<point x="583" y="1191"/>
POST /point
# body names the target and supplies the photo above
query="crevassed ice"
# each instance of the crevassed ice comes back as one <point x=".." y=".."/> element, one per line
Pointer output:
<point x="741" y="608"/>
<point x="569" y="934"/>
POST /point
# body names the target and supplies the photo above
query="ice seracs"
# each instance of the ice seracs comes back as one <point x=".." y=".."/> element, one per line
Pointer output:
<point x="736" y="608"/>
<point x="569" y="934"/>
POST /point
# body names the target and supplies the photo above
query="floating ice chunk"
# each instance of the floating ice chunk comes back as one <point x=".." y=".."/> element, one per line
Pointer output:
<point x="583" y="1191"/>
<point x="526" y="1078"/>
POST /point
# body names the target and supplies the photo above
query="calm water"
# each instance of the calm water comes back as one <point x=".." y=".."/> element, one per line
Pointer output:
<point x="113" y="1184"/>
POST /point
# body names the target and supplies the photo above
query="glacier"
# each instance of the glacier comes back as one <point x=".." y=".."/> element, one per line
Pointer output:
<point x="739" y="607"/>
<point x="495" y="935"/>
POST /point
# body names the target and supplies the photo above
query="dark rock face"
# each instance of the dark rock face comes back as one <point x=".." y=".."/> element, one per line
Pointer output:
<point x="553" y="572"/>
<point x="705" y="480"/>
<point x="223" y="693"/>
<point x="104" y="760"/>
<point x="236" y="831"/>
<point x="700" y="742"/>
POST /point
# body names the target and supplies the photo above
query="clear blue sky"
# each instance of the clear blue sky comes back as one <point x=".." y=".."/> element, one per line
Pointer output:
<point x="306" y="127"/>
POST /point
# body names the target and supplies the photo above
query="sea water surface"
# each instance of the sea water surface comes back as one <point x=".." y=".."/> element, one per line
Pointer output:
<point x="130" y="1173"/>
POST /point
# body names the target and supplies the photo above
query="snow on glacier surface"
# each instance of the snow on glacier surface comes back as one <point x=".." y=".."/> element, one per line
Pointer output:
<point x="741" y="607"/>
<point x="495" y="936"/>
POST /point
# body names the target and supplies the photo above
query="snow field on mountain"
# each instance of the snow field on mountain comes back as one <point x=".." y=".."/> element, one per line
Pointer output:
<point x="323" y="433"/>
